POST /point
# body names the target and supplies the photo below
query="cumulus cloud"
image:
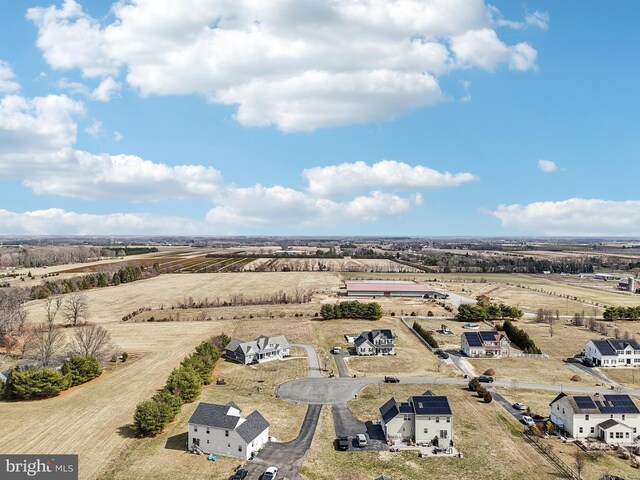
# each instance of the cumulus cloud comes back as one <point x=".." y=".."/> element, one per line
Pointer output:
<point x="294" y="65"/>
<point x="8" y="83"/>
<point x="346" y="178"/>
<point x="95" y="129"/>
<point x="576" y="216"/>
<point x="547" y="166"/>
<point x="104" y="92"/>
<point x="55" y="221"/>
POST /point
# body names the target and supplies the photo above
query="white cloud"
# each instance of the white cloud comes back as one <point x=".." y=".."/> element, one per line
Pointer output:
<point x="7" y="78"/>
<point x="347" y="178"/>
<point x="547" y="166"/>
<point x="293" y="65"/>
<point x="55" y="221"/>
<point x="117" y="136"/>
<point x="104" y="92"/>
<point x="538" y="19"/>
<point x="466" y="86"/>
<point x="95" y="129"/>
<point x="482" y="48"/>
<point x="573" y="217"/>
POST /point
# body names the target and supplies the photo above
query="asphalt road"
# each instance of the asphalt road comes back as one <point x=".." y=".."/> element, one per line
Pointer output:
<point x="312" y="357"/>
<point x="288" y="457"/>
<point x="343" y="371"/>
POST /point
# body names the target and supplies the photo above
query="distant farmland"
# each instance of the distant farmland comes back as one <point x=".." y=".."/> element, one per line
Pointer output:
<point x="174" y="264"/>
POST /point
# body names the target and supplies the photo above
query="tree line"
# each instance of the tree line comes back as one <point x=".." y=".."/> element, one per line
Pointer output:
<point x="354" y="309"/>
<point x="425" y="334"/>
<point x="621" y="313"/>
<point x="484" y="309"/>
<point x="519" y="337"/>
<point x="184" y="385"/>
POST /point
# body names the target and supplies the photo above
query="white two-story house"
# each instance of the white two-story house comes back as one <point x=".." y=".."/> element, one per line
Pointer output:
<point x="262" y="349"/>
<point x="375" y="342"/>
<point x="490" y="344"/>
<point x="221" y="430"/>
<point x="610" y="418"/>
<point x="613" y="352"/>
<point x="425" y="418"/>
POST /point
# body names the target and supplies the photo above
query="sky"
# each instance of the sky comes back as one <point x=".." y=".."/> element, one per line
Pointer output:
<point x="323" y="117"/>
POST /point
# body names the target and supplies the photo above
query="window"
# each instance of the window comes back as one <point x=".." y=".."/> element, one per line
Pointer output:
<point x="626" y="434"/>
<point x="228" y="445"/>
<point x="207" y="440"/>
<point x="426" y="430"/>
<point x="407" y="417"/>
<point x="207" y="431"/>
<point x="448" y="419"/>
<point x="586" y="417"/>
<point x="226" y="433"/>
<point x="593" y="430"/>
<point x="610" y="434"/>
<point x="580" y="430"/>
<point x="437" y="419"/>
<point x="239" y="448"/>
<point x="195" y="429"/>
<point x="611" y="416"/>
<point x="623" y="415"/>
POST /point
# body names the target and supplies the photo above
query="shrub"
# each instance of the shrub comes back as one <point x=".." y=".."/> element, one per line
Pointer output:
<point x="474" y="384"/>
<point x="172" y="403"/>
<point x="202" y="365"/>
<point x="486" y="396"/>
<point x="519" y="337"/>
<point x="491" y="372"/>
<point x="150" y="417"/>
<point x="125" y="356"/>
<point x="35" y="383"/>
<point x="185" y="383"/>
<point x="576" y="378"/>
<point x="81" y="369"/>
<point x="430" y="313"/>
<point x="425" y="334"/>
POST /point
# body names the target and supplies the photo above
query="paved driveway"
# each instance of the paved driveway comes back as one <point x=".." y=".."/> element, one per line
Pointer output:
<point x="312" y="357"/>
<point x="343" y="371"/>
<point x="289" y="456"/>
<point x="346" y="424"/>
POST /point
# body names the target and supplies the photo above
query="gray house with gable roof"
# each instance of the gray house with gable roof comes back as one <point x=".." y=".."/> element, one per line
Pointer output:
<point x="221" y="430"/>
<point x="375" y="342"/>
<point x="262" y="349"/>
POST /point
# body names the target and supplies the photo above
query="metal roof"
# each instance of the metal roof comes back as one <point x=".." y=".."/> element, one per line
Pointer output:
<point x="387" y="287"/>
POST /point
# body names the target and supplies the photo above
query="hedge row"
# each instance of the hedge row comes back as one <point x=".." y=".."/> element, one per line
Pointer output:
<point x="47" y="382"/>
<point x="425" y="334"/>
<point x="184" y="385"/>
<point x="483" y="393"/>
<point x="354" y="309"/>
<point x="519" y="337"/>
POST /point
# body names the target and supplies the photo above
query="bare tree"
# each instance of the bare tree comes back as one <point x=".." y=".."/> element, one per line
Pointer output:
<point x="581" y="461"/>
<point x="45" y="343"/>
<point x="76" y="308"/>
<point x="12" y="313"/>
<point x="52" y="307"/>
<point x="92" y="340"/>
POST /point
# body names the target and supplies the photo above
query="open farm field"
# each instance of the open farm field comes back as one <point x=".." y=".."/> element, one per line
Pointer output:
<point x="92" y="420"/>
<point x="110" y="304"/>
<point x="491" y="441"/>
<point x="361" y="265"/>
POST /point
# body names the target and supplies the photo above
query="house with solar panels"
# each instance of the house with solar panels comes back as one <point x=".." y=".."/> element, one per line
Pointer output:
<point x="609" y="418"/>
<point x="613" y="352"/>
<point x="221" y="430"/>
<point x="425" y="418"/>
<point x="262" y="349"/>
<point x="488" y="344"/>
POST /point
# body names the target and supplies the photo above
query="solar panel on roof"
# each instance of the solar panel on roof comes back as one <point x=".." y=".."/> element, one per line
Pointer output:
<point x="584" y="402"/>
<point x="473" y="339"/>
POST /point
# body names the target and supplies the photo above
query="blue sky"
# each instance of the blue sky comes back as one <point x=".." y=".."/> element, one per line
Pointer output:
<point x="219" y="113"/>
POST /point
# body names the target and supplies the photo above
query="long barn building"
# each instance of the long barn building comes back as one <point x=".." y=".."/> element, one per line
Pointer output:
<point x="363" y="288"/>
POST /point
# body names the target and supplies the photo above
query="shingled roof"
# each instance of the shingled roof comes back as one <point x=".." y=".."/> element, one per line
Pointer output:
<point x="217" y="416"/>
<point x="252" y="426"/>
<point x="609" y="346"/>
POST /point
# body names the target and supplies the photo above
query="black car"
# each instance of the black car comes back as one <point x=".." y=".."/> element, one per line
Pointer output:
<point x="391" y="380"/>
<point x="588" y="362"/>
<point x="485" y="379"/>
<point x="240" y="474"/>
<point x="443" y="354"/>
<point x="343" y="443"/>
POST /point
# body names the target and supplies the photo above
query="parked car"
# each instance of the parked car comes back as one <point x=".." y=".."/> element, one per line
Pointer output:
<point x="519" y="406"/>
<point x="270" y="473"/>
<point x="362" y="440"/>
<point x="588" y="362"/>
<point x="485" y="379"/>
<point x="442" y="354"/>
<point x="240" y="474"/>
<point x="336" y="350"/>
<point x="527" y="420"/>
<point x="391" y="380"/>
<point x="343" y="443"/>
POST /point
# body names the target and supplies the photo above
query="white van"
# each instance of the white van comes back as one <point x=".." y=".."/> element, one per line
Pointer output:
<point x="362" y="440"/>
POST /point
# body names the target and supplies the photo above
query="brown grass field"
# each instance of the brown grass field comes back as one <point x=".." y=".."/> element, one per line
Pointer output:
<point x="492" y="444"/>
<point x="92" y="420"/>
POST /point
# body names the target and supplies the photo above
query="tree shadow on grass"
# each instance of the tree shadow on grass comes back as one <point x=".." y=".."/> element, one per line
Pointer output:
<point x="127" y="431"/>
<point x="177" y="442"/>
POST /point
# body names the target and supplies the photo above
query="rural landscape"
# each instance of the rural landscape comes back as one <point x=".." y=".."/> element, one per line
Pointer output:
<point x="146" y="326"/>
